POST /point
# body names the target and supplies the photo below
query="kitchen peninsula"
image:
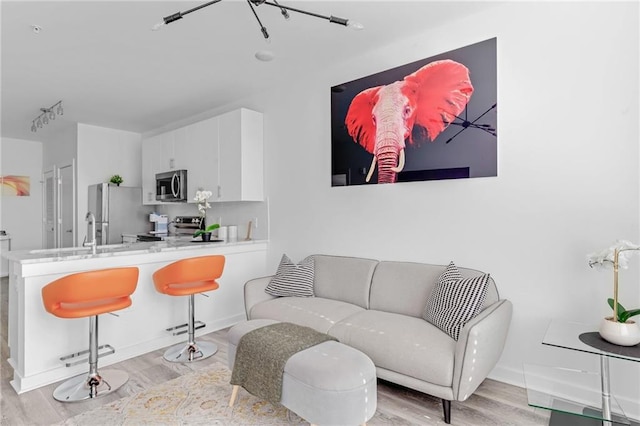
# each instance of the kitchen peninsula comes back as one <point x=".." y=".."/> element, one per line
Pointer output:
<point x="37" y="339"/>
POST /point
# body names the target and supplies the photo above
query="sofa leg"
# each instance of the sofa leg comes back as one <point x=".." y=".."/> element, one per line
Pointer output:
<point x="446" y="407"/>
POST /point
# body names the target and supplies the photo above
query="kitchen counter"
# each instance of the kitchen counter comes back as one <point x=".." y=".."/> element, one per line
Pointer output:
<point x="125" y="249"/>
<point x="38" y="339"/>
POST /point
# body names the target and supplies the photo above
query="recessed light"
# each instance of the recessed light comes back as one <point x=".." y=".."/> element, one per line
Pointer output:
<point x="265" y="55"/>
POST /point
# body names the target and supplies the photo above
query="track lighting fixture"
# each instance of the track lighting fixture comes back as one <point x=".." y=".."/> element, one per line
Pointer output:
<point x="284" y="10"/>
<point x="46" y="115"/>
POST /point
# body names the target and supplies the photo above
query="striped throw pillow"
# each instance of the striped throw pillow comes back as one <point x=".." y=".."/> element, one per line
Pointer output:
<point x="292" y="279"/>
<point x="455" y="300"/>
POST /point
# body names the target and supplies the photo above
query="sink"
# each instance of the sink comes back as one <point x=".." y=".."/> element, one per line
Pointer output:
<point x="110" y="247"/>
<point x="59" y="250"/>
<point x="80" y="250"/>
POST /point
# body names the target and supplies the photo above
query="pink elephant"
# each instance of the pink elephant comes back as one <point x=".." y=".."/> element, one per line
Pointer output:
<point x="381" y="118"/>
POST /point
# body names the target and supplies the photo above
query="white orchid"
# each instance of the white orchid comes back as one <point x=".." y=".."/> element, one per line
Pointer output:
<point x="616" y="256"/>
<point x="202" y="198"/>
<point x="606" y="257"/>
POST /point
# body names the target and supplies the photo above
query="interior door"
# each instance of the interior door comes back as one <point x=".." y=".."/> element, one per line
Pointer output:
<point x="59" y="207"/>
<point x="67" y="205"/>
<point x="49" y="210"/>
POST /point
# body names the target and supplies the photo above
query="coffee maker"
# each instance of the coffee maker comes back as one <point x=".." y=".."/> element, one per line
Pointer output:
<point x="160" y="223"/>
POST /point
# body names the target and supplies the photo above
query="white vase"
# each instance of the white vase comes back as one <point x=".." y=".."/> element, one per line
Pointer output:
<point x="619" y="333"/>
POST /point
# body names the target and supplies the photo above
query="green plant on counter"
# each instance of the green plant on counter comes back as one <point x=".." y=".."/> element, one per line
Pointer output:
<point x="209" y="228"/>
<point x="117" y="179"/>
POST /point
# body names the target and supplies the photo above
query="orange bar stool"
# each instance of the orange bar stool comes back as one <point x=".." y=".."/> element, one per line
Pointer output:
<point x="89" y="294"/>
<point x="187" y="277"/>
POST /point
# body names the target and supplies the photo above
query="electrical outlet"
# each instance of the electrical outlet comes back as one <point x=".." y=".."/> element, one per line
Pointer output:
<point x="255" y="222"/>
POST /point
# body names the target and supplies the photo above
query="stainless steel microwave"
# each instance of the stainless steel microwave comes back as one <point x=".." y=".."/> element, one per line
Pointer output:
<point x="171" y="186"/>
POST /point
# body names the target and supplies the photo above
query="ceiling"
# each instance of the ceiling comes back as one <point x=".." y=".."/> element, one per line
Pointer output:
<point x="109" y="69"/>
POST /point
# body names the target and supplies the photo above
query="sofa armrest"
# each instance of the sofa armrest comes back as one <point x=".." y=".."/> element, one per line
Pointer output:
<point x="254" y="293"/>
<point x="479" y="348"/>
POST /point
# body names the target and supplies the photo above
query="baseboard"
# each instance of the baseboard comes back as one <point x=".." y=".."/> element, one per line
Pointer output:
<point x="511" y="376"/>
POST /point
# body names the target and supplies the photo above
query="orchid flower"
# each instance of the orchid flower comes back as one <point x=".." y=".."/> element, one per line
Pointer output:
<point x="616" y="256"/>
<point x="202" y="198"/>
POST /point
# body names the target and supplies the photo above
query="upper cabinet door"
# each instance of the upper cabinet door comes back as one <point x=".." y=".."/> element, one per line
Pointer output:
<point x="241" y="156"/>
<point x="151" y="163"/>
<point x="203" y="157"/>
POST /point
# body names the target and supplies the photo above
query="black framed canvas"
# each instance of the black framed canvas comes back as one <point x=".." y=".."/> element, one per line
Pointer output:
<point x="428" y="120"/>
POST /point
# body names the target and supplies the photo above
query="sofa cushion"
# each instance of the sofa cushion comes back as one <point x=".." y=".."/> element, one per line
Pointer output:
<point x="455" y="300"/>
<point x="403" y="287"/>
<point x="347" y="279"/>
<point x="292" y="279"/>
<point x="400" y="343"/>
<point x="315" y="312"/>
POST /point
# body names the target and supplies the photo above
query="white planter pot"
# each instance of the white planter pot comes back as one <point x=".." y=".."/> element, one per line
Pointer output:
<point x="618" y="333"/>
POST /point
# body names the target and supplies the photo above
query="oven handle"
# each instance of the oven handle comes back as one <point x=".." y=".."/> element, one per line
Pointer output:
<point x="175" y="189"/>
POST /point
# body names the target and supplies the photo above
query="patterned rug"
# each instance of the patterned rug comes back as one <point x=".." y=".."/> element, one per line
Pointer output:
<point x="199" y="398"/>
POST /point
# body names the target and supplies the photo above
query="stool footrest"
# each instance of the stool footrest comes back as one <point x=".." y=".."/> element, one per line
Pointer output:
<point x="109" y="350"/>
<point x="196" y="326"/>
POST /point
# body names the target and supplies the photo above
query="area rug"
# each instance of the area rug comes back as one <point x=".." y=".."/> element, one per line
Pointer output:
<point x="198" y="398"/>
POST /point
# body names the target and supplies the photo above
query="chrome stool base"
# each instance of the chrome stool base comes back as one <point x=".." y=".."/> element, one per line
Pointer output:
<point x="78" y="388"/>
<point x="189" y="353"/>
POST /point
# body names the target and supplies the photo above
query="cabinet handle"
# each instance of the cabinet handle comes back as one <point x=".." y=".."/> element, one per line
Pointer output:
<point x="219" y="191"/>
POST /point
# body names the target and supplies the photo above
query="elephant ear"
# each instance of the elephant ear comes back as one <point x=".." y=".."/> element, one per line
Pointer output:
<point x="358" y="120"/>
<point x="443" y="89"/>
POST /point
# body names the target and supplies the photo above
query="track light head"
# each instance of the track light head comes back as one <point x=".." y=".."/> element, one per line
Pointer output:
<point x="46" y="115"/>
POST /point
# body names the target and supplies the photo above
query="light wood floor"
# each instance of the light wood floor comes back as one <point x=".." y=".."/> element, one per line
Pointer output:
<point x="494" y="403"/>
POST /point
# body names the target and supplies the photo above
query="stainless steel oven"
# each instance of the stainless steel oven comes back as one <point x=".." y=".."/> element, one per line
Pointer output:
<point x="171" y="186"/>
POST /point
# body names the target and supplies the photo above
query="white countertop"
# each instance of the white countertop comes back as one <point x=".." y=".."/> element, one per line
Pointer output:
<point x="5" y="237"/>
<point x="75" y="253"/>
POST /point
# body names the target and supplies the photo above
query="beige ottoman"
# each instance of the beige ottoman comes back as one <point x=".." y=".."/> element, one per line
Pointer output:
<point x="327" y="384"/>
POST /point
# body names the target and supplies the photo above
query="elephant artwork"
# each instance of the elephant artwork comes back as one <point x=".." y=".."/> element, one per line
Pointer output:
<point x="383" y="118"/>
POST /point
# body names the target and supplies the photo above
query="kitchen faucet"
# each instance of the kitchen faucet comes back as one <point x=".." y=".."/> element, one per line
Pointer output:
<point x="91" y="219"/>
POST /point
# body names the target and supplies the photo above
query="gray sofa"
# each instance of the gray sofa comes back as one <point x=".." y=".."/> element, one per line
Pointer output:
<point x="377" y="307"/>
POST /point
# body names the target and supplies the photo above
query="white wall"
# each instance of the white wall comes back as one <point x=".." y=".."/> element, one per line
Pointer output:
<point x="567" y="180"/>
<point x="102" y="153"/>
<point x="21" y="217"/>
<point x="59" y="145"/>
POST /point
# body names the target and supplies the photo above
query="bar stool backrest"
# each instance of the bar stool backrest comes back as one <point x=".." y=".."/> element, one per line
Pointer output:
<point x="204" y="270"/>
<point x="90" y="293"/>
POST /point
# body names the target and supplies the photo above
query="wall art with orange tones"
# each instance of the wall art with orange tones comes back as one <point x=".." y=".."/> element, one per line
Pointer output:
<point x="11" y="185"/>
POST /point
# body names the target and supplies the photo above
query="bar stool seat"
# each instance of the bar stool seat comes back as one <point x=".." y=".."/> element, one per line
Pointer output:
<point x="188" y="277"/>
<point x="89" y="294"/>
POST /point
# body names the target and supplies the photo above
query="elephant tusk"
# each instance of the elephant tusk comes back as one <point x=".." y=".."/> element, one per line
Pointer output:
<point x="371" y="168"/>
<point x="400" y="163"/>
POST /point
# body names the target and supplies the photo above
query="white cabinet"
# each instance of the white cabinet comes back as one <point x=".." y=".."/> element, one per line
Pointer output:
<point x="162" y="153"/>
<point x="240" y="165"/>
<point x="150" y="162"/>
<point x="203" y="156"/>
<point x="222" y="154"/>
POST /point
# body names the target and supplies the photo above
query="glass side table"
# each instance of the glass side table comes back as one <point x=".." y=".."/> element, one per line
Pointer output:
<point x="592" y="403"/>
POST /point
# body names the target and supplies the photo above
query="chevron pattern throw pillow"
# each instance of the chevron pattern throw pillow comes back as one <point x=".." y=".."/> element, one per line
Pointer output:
<point x="455" y="300"/>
